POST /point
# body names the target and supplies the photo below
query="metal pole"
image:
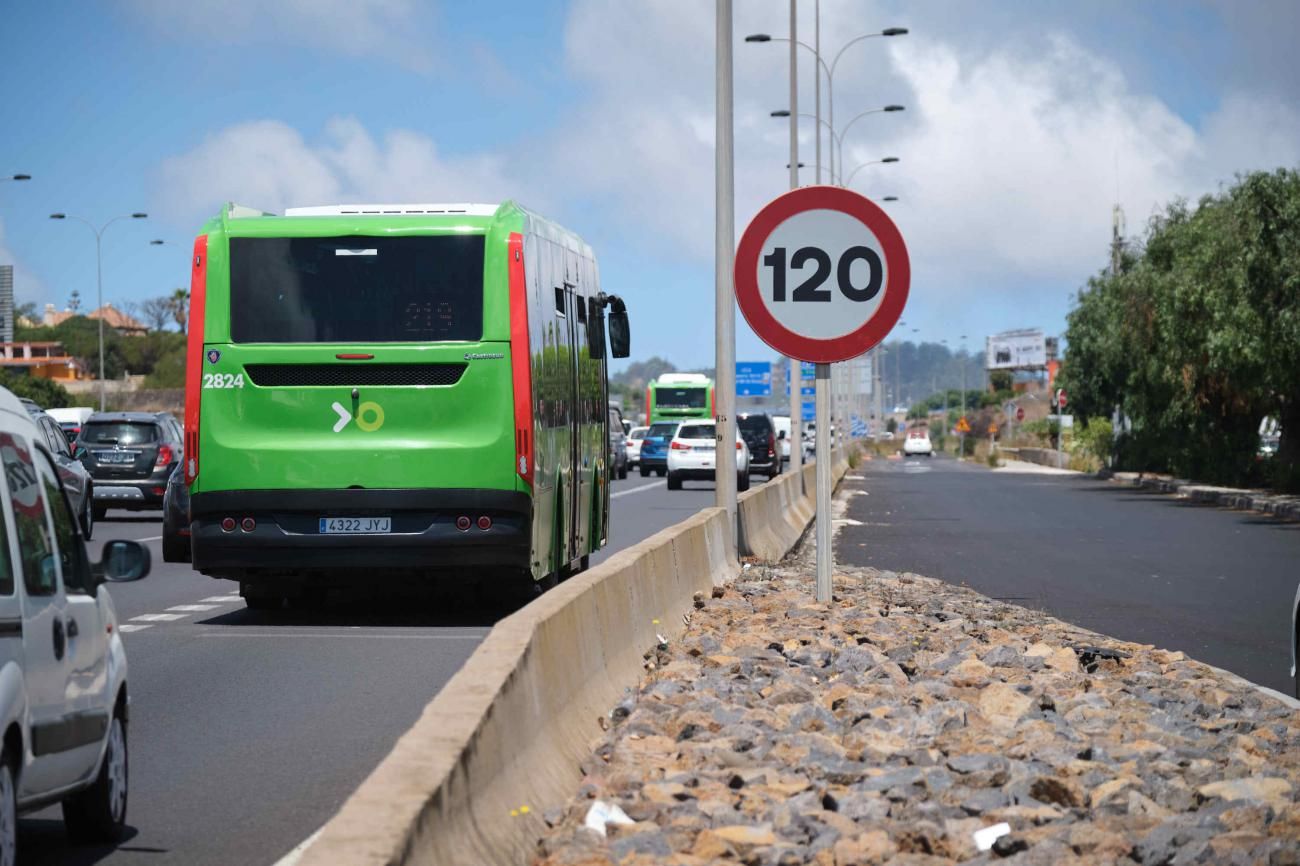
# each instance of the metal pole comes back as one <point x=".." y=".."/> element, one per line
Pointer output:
<point x="817" y="77"/>
<point x="724" y="251"/>
<point x="824" y="555"/>
<point x="796" y="371"/>
<point x="99" y="301"/>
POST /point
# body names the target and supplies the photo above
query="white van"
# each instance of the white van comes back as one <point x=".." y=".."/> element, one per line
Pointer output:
<point x="63" y="697"/>
<point x="70" y="420"/>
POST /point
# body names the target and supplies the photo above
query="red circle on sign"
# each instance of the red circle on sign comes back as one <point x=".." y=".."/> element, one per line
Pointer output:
<point x="1020" y="413"/>
<point x="898" y="269"/>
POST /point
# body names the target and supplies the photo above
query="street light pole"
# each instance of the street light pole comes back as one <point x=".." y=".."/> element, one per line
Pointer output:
<point x="99" y="281"/>
<point x="724" y="249"/>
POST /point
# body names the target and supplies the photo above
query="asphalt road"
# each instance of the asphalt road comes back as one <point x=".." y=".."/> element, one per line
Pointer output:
<point x="248" y="730"/>
<point x="1214" y="583"/>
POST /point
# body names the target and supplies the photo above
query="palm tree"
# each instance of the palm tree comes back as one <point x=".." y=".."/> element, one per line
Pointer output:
<point x="180" y="304"/>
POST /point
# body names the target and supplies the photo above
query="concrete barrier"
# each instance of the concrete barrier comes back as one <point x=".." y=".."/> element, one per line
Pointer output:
<point x="504" y="738"/>
<point x="774" y="516"/>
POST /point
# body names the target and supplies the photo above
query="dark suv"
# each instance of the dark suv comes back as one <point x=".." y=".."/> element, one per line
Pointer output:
<point x="130" y="455"/>
<point x="759" y="433"/>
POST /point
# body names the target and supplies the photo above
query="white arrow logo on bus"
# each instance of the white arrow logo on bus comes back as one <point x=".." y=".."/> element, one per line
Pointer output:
<point x="344" y="417"/>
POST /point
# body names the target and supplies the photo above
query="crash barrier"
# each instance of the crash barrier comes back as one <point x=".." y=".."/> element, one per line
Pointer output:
<point x="1041" y="456"/>
<point x="504" y="738"/>
<point x="773" y="516"/>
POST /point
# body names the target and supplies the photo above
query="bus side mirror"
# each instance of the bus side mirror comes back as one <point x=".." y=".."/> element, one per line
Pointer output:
<point x="620" y="335"/>
<point x="595" y="330"/>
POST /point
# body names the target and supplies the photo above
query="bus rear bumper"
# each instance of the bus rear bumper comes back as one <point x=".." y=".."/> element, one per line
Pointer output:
<point x="424" y="535"/>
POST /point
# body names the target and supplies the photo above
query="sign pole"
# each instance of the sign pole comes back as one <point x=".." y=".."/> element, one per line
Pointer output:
<point x="724" y="293"/>
<point x="824" y="554"/>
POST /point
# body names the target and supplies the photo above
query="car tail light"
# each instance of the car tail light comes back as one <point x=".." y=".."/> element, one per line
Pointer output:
<point x="248" y="524"/>
<point x="678" y="446"/>
<point x="520" y="363"/>
<point x="463" y="523"/>
<point x="165" y="456"/>
<point x="227" y="524"/>
<point x="485" y="522"/>
<point x="159" y="491"/>
<point x="771" y="443"/>
<point x="740" y="445"/>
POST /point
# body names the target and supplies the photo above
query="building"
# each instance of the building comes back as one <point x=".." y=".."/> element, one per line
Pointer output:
<point x="44" y="360"/>
<point x="113" y="317"/>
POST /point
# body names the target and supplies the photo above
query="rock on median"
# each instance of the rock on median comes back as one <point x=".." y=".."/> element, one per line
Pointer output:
<point x="894" y="722"/>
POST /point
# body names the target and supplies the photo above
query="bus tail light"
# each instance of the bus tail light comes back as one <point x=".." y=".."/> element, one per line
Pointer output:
<point x="227" y="524"/>
<point x="463" y="523"/>
<point x="520" y="363"/>
<point x="194" y="355"/>
<point x="485" y="522"/>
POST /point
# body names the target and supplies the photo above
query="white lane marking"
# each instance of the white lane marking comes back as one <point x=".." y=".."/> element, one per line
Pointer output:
<point x="328" y="634"/>
<point x="158" y="617"/>
<point x="151" y="538"/>
<point x="638" y="489"/>
<point x="193" y="608"/>
<point x="126" y="626"/>
<point x="295" y="855"/>
<point x="224" y="599"/>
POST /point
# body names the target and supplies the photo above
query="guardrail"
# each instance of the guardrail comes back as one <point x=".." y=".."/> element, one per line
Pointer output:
<point x="504" y="738"/>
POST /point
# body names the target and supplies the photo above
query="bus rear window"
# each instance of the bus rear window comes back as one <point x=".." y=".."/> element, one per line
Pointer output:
<point x="356" y="289"/>
<point x="681" y="398"/>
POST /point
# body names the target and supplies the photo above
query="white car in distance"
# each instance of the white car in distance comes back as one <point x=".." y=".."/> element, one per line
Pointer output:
<point x="692" y="455"/>
<point x="918" y="442"/>
<point x="634" y="437"/>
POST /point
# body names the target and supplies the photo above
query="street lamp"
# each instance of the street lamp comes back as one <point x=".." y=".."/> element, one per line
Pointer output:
<point x="17" y="177"/>
<point x="890" y="198"/>
<point x="886" y="161"/>
<point x="99" y="280"/>
<point x="830" y="75"/>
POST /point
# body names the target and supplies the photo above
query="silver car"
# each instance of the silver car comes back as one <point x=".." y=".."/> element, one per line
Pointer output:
<point x="75" y="478"/>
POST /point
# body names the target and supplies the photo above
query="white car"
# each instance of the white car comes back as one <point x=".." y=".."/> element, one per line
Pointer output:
<point x="63" y="696"/>
<point x="918" y="442"/>
<point x="1295" y="640"/>
<point x="692" y="455"/>
<point x="634" y="437"/>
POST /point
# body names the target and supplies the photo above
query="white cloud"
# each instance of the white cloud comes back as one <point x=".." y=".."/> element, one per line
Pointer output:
<point x="357" y="28"/>
<point x="269" y="165"/>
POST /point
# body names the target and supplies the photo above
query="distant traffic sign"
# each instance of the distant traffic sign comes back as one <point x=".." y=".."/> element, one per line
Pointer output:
<point x="963" y="426"/>
<point x="822" y="274"/>
<point x="753" y="378"/>
<point x="1020" y="413"/>
<point x="1060" y="397"/>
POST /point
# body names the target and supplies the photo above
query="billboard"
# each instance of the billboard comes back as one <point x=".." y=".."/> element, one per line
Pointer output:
<point x="753" y="378"/>
<point x="1015" y="349"/>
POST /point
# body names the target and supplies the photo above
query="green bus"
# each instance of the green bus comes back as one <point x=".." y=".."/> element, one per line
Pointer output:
<point x="376" y="391"/>
<point x="678" y="396"/>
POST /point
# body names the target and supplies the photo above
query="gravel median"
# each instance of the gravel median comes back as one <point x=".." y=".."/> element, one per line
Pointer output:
<point x="892" y="724"/>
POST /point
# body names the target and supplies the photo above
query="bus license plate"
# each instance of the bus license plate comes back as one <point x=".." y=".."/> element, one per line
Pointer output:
<point x="355" y="525"/>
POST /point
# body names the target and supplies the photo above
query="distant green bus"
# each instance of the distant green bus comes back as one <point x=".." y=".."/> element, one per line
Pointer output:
<point x="383" y="390"/>
<point x="678" y="396"/>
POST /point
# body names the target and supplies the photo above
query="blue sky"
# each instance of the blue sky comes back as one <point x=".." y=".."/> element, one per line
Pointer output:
<point x="1025" y="123"/>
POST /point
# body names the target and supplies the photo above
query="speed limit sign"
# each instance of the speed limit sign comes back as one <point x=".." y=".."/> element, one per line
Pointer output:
<point x="822" y="274"/>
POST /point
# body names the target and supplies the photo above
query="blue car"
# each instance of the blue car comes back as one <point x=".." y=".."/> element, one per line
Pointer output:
<point x="654" y="447"/>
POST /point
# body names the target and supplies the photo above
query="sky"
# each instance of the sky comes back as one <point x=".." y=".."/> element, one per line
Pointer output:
<point x="1025" y="123"/>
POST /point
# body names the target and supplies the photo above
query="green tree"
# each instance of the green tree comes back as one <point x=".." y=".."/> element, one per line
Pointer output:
<point x="1197" y="339"/>
<point x="43" y="392"/>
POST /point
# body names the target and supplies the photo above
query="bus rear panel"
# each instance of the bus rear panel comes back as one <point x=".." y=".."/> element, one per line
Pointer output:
<point x="363" y="394"/>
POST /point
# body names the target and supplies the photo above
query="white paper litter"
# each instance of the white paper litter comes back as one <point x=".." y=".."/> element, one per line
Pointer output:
<point x="602" y="814"/>
<point x="984" y="838"/>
